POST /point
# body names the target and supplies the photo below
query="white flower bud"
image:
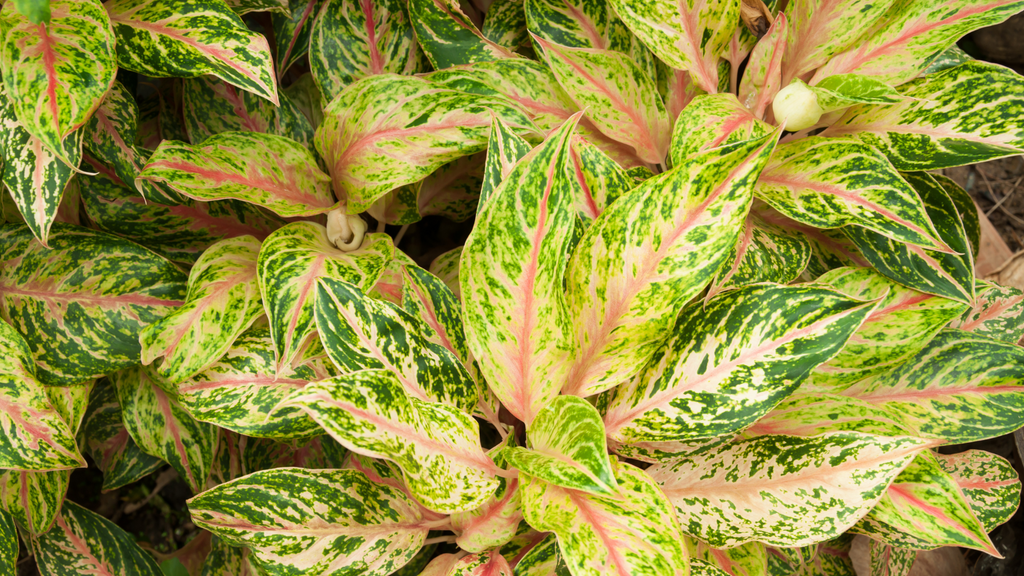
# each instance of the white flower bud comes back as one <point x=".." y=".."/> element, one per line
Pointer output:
<point x="797" y="106"/>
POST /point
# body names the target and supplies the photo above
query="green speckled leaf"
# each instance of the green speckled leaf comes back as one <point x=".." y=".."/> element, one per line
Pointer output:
<point x="161" y="426"/>
<point x="886" y="560"/>
<point x="386" y="131"/>
<point x="712" y="121"/>
<point x="240" y="390"/>
<point x="8" y="543"/>
<point x="810" y="413"/>
<point x="426" y="298"/>
<point x="997" y="312"/>
<point x="84" y="542"/>
<point x="730" y="361"/>
<point x="820" y="30"/>
<point x="37" y="11"/>
<point x="989" y="483"/>
<point x="223" y="301"/>
<point x="763" y="253"/>
<point x="832" y="182"/>
<point x="632" y="533"/>
<point x="188" y="40"/>
<point x="599" y="180"/>
<point x="950" y="275"/>
<point x="945" y="59"/>
<point x="84" y="302"/>
<point x="452" y="190"/>
<point x="292" y="30"/>
<point x="104" y="438"/>
<point x="33" y="498"/>
<point x="578" y="24"/>
<point x="567" y="448"/>
<point x="306" y="96"/>
<point x="830" y="249"/>
<point x="541" y="559"/>
<point x="363" y="333"/>
<point x="505" y="25"/>
<point x="436" y="446"/>
<point x="448" y="37"/>
<point x="511" y="273"/>
<point x="212" y="106"/>
<point x="924" y="508"/>
<point x="750" y="559"/>
<point x="762" y="79"/>
<point x="242" y="7"/>
<point x="845" y="90"/>
<point x="963" y="115"/>
<point x="446" y="267"/>
<point x="228" y="560"/>
<point x="504" y="149"/>
<point x="677" y="228"/>
<point x="57" y="73"/>
<point x="353" y="39"/>
<point x="496" y="521"/>
<point x="271" y="171"/>
<point x="783" y="490"/>
<point x="961" y="387"/>
<point x="904" y="322"/>
<point x="967" y="209"/>
<point x="619" y="97"/>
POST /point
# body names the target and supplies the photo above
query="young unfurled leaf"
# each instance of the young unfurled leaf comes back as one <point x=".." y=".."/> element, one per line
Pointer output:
<point x="265" y="169"/>
<point x="353" y="39"/>
<point x="212" y="106"/>
<point x="83" y="303"/>
<point x="831" y="182"/>
<point x="619" y="98"/>
<point x="924" y="508"/>
<point x="437" y="446"/>
<point x="240" y="389"/>
<point x="989" y="483"/>
<point x="362" y="333"/>
<point x="687" y="35"/>
<point x="845" y="90"/>
<point x="676" y="228"/>
<point x="961" y="387"/>
<point x="950" y="275"/>
<point x="104" y="438"/>
<point x="84" y="542"/>
<point x="712" y="121"/>
<point x="763" y="78"/>
<point x="967" y="114"/>
<point x="387" y="131"/>
<point x="710" y="379"/>
<point x="783" y="490"/>
<point x="504" y="149"/>
<point x="162" y="428"/>
<point x="567" y="448"/>
<point x="901" y="325"/>
<point x="188" y="40"/>
<point x="511" y="273"/>
<point x="632" y="533"/>
<point x="56" y="73"/>
<point x="289" y="264"/>
<point x="448" y="37"/>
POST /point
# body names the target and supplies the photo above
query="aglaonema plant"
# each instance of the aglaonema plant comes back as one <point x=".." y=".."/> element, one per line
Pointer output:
<point x="716" y="315"/>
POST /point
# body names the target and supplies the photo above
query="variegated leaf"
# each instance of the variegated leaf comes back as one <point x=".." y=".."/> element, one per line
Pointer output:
<point x="83" y="542"/>
<point x="242" y="7"/>
<point x="705" y="568"/>
<point x="71" y="402"/>
<point x="763" y="253"/>
<point x="105" y="439"/>
<point x="223" y="301"/>
<point x="728" y="362"/>
<point x="448" y="37"/>
<point x="904" y="322"/>
<point x="763" y="77"/>
<point x="383" y="473"/>
<point x="353" y="39"/>
<point x="33" y="498"/>
<point x="845" y="90"/>
<point x="687" y="35"/>
<point x="452" y="190"/>
<point x="292" y="30"/>
<point x="56" y="73"/>
<point x="783" y="490"/>
<point x="306" y="96"/>
<point x="505" y="25"/>
<point x="389" y="286"/>
<point x="620" y="99"/>
<point x="35" y="178"/>
<point x="950" y="275"/>
<point x="483" y="564"/>
<point x="239" y="391"/>
<point x="362" y="333"/>
<point x="179" y="233"/>
<point x="578" y="24"/>
<point x="997" y="311"/>
<point x="398" y="207"/>
<point x="387" y="131"/>
<point x="967" y="209"/>
<point x="83" y="302"/>
<point x="599" y="180"/>
<point x="830" y="249"/>
<point x="989" y="483"/>
<point x="265" y="169"/>
<point x="886" y="560"/>
<point x="961" y="387"/>
<point x="212" y="106"/>
<point x="426" y="298"/>
<point x="832" y="182"/>
<point x="8" y="543"/>
<point x="289" y="264"/>
<point x="162" y="40"/>
<point x="676" y="88"/>
<point x="446" y="267"/>
<point x="963" y="115"/>
<point x="788" y="561"/>
<point x="712" y="121"/>
<point x="668" y="451"/>
<point x="543" y="559"/>
<point x="924" y="508"/>
<point x="504" y="149"/>
<point x="677" y="228"/>
<point x="567" y="448"/>
<point x="511" y="273"/>
<point x="161" y="426"/>
<point x="946" y="59"/>
<point x="635" y="532"/>
<point x="750" y="559"/>
<point x="810" y="413"/>
<point x="901" y="43"/>
<point x="820" y="30"/>
<point x="228" y="560"/>
<point x="437" y="446"/>
<point x="494" y="523"/>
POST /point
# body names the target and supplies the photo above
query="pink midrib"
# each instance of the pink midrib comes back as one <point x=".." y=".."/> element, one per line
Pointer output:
<point x="81" y="548"/>
<point x="599" y="527"/>
<point x="298" y="31"/>
<point x="376" y="60"/>
<point x="165" y="408"/>
<point x="289" y="191"/>
<point x="128" y="299"/>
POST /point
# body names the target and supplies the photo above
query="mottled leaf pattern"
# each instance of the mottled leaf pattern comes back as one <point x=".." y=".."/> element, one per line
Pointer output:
<point x="212" y="106"/>
<point x="763" y="253"/>
<point x="997" y="312"/>
<point x="33" y="498"/>
<point x="504" y="149"/>
<point x="763" y="77"/>
<point x="448" y="37"/>
<point x="494" y="523"/>
<point x="820" y="30"/>
<point x="886" y="560"/>
<point x="989" y="483"/>
<point x="712" y="121"/>
<point x="8" y="543"/>
<point x="292" y="29"/>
